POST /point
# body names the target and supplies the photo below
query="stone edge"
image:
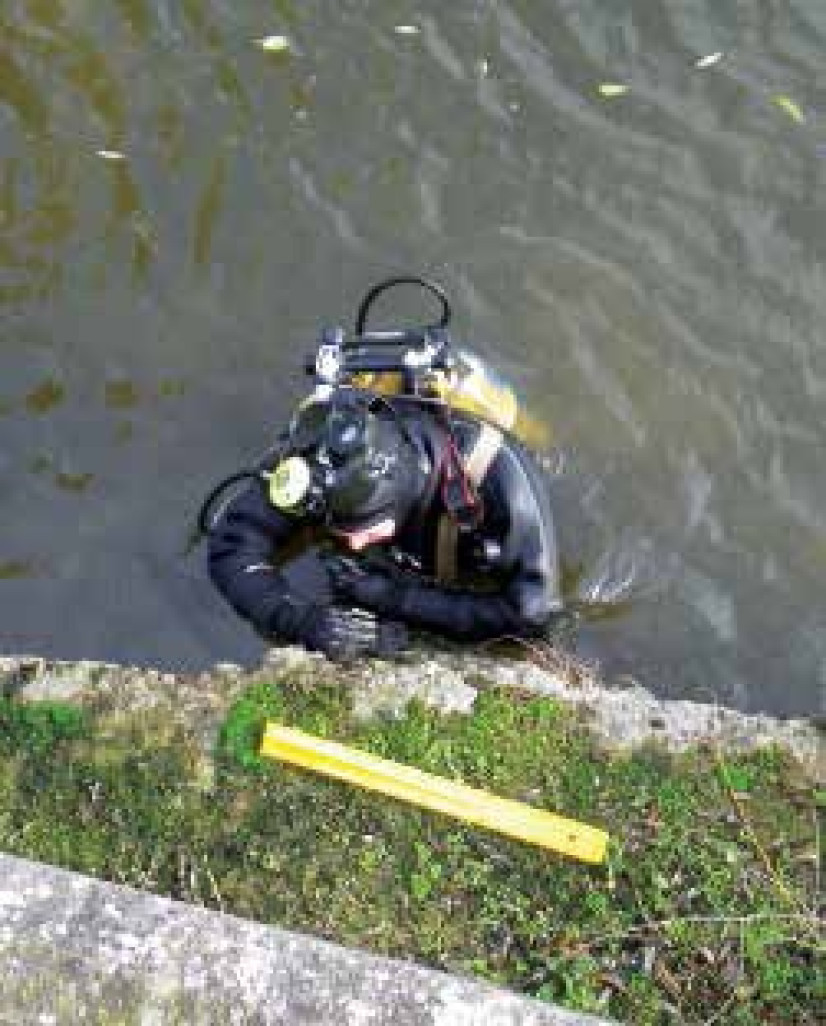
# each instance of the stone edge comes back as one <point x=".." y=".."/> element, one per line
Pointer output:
<point x="78" y="950"/>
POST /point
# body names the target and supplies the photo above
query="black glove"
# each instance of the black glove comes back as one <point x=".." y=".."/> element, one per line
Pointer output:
<point x="343" y="634"/>
<point x="372" y="589"/>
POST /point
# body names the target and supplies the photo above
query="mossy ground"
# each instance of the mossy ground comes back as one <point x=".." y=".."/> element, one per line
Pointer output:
<point x="706" y="910"/>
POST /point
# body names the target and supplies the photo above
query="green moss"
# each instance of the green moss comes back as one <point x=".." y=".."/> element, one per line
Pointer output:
<point x="705" y="900"/>
<point x="36" y="728"/>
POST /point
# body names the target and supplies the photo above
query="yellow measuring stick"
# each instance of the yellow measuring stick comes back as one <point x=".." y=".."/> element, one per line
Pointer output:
<point x="535" y="826"/>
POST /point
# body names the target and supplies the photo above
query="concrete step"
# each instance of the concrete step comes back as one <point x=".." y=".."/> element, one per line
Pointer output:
<point x="76" y="950"/>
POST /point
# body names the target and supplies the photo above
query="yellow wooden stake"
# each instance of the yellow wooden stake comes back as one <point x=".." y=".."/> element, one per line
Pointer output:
<point x="535" y="826"/>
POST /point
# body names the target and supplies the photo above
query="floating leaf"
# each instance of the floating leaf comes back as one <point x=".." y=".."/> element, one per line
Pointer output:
<point x="406" y="30"/>
<point x="15" y="568"/>
<point x="787" y="104"/>
<point x="120" y="394"/>
<point x="73" y="482"/>
<point x="611" y="89"/>
<point x="274" y="44"/>
<point x="709" y="60"/>
<point x="46" y="396"/>
<point x="110" y="154"/>
<point x="171" y="388"/>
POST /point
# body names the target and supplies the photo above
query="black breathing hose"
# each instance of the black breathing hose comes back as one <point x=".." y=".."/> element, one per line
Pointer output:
<point x="204" y="524"/>
<point x="430" y="286"/>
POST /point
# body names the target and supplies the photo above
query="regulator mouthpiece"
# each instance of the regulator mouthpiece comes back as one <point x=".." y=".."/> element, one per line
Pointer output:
<point x="289" y="483"/>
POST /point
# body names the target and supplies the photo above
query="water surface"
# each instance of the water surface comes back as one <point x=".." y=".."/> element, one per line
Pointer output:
<point x="180" y="210"/>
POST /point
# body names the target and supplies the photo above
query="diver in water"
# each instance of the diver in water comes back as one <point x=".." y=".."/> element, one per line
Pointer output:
<point x="424" y="511"/>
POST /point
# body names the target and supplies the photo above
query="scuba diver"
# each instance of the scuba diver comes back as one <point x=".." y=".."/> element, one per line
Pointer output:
<point x="408" y="474"/>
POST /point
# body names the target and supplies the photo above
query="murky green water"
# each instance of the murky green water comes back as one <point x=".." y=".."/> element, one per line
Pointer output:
<point x="180" y="210"/>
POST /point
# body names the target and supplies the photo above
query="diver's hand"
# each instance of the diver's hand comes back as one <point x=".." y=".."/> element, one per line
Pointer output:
<point x="344" y="633"/>
<point x="366" y="587"/>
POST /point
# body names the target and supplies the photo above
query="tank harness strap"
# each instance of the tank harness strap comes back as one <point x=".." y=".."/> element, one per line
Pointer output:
<point x="476" y="465"/>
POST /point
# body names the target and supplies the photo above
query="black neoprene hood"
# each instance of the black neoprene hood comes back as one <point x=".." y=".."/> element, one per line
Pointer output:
<point x="363" y="463"/>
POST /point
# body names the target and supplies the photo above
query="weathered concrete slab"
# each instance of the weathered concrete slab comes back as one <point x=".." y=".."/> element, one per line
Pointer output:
<point x="75" y="950"/>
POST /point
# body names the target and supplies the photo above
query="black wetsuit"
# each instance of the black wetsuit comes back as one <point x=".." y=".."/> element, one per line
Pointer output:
<point x="507" y="580"/>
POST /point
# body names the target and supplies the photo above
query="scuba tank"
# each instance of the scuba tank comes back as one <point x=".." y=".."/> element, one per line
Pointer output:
<point x="473" y="387"/>
<point x="422" y="363"/>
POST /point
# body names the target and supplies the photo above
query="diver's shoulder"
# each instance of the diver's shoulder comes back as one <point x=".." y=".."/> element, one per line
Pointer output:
<point x="468" y="430"/>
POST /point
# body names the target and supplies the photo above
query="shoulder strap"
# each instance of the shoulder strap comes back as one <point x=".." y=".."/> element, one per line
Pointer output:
<point x="476" y="464"/>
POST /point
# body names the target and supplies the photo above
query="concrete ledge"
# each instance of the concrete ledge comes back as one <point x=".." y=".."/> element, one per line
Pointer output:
<point x="75" y="950"/>
<point x="623" y="718"/>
